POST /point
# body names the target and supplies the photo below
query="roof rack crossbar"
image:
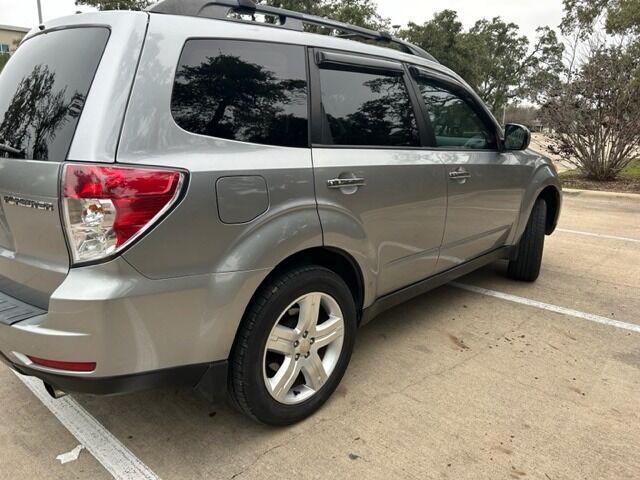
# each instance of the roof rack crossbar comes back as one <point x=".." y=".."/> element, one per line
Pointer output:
<point x="221" y="9"/>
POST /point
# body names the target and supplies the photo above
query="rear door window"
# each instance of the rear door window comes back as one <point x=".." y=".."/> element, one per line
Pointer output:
<point x="242" y="90"/>
<point x="43" y="89"/>
<point x="455" y="123"/>
<point x="368" y="109"/>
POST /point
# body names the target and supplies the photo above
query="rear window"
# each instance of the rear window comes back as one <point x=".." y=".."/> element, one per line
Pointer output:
<point x="368" y="109"/>
<point x="43" y="90"/>
<point x="242" y="90"/>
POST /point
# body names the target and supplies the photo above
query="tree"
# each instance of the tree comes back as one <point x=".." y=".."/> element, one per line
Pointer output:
<point x="595" y="111"/>
<point x="363" y="13"/>
<point x="116" y="4"/>
<point x="444" y="37"/>
<point x="498" y="62"/>
<point x="596" y="114"/>
<point x="312" y="7"/>
<point x="620" y="16"/>
<point x="509" y="68"/>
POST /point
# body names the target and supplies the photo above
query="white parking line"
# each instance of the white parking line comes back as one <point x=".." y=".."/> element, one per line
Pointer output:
<point x="547" y="306"/>
<point x="107" y="449"/>
<point x="589" y="234"/>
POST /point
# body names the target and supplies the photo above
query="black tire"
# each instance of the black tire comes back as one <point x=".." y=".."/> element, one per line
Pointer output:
<point x="246" y="381"/>
<point x="526" y="267"/>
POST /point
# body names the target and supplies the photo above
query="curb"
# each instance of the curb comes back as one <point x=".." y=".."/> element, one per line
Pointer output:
<point x="601" y="193"/>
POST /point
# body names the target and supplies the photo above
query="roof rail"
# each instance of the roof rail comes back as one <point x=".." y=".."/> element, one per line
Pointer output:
<point x="220" y="9"/>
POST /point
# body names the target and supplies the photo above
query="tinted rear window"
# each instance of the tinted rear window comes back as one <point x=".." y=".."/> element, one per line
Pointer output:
<point x="240" y="90"/>
<point x="43" y="90"/>
<point x="368" y="109"/>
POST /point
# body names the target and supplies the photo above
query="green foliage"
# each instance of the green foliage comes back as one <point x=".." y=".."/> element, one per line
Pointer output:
<point x="596" y="115"/>
<point x="596" y="110"/>
<point x="620" y="16"/>
<point x="445" y="39"/>
<point x="4" y="58"/>
<point x="624" y="17"/>
<point x="632" y="170"/>
<point x="363" y="13"/>
<point x="357" y="12"/>
<point x="492" y="56"/>
<point x="312" y="7"/>
<point x="116" y="4"/>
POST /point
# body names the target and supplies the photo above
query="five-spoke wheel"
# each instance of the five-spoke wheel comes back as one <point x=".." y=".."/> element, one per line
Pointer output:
<point x="303" y="348"/>
<point x="293" y="346"/>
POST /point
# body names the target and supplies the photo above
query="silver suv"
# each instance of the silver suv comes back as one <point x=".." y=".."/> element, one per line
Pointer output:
<point x="188" y="195"/>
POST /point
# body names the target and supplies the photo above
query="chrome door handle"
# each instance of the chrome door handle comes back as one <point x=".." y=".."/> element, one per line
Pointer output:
<point x="345" y="182"/>
<point x="459" y="174"/>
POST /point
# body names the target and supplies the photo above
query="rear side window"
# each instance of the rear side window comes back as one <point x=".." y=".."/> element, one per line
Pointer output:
<point x="368" y="109"/>
<point x="241" y="90"/>
<point x="454" y="121"/>
<point x="43" y="90"/>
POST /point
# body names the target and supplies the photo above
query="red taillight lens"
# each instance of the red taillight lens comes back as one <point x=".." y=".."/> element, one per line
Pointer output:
<point x="60" y="365"/>
<point x="107" y="207"/>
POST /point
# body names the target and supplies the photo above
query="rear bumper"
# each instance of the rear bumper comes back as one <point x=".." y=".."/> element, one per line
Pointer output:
<point x="210" y="379"/>
<point x="140" y="332"/>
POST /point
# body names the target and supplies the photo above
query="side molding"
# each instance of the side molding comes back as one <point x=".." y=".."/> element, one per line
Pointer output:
<point x="396" y="298"/>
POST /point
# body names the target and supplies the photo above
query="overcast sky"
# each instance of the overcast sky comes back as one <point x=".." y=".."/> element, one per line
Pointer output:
<point x="528" y="14"/>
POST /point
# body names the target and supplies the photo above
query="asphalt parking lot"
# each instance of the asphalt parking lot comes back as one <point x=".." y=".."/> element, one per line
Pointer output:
<point x="455" y="384"/>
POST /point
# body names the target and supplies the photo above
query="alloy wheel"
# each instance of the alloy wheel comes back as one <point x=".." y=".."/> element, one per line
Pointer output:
<point x="303" y="348"/>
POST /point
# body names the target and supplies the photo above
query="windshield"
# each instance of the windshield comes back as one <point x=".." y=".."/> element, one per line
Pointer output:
<point x="43" y="89"/>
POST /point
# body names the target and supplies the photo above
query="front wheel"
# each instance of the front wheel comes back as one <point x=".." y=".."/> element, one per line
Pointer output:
<point x="526" y="267"/>
<point x="293" y="346"/>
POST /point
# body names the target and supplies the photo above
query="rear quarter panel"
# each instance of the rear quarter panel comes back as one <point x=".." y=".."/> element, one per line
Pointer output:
<point x="193" y="239"/>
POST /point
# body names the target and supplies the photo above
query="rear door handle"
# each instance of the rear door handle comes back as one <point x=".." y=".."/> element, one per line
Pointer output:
<point x="345" y="182"/>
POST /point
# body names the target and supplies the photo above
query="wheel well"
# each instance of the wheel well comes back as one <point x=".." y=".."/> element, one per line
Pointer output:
<point x="338" y="261"/>
<point x="552" y="198"/>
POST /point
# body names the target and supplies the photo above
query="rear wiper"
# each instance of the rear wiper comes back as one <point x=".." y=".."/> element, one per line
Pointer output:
<point x="9" y="149"/>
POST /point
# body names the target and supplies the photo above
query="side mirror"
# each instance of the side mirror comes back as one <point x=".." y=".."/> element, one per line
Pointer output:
<point x="516" y="137"/>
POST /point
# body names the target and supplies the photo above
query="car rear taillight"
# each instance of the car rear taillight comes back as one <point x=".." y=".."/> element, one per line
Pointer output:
<point x="107" y="208"/>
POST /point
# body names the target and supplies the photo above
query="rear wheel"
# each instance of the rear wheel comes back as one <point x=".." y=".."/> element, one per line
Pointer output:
<point x="293" y="346"/>
<point x="526" y="267"/>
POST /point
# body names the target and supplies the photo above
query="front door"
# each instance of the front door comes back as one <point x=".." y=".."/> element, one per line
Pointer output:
<point x="380" y="196"/>
<point x="485" y="186"/>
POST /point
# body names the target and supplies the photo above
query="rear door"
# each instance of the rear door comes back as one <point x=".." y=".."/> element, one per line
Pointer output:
<point x="43" y="90"/>
<point x="380" y="196"/>
<point x="485" y="185"/>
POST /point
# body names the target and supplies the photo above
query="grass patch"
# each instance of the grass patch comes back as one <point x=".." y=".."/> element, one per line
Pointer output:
<point x="628" y="181"/>
<point x="632" y="170"/>
<point x="4" y="58"/>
